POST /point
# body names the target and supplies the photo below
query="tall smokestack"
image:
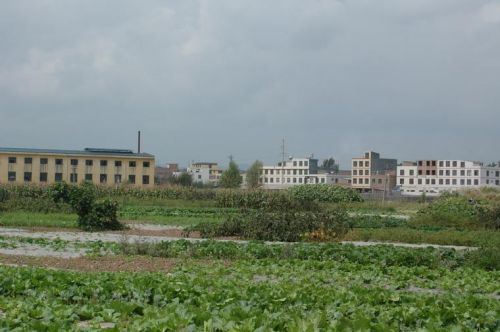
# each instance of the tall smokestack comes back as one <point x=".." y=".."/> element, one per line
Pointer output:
<point x="139" y="141"/>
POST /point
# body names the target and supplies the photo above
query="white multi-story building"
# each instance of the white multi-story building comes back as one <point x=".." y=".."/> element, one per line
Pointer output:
<point x="434" y="177"/>
<point x="204" y="172"/>
<point x="296" y="171"/>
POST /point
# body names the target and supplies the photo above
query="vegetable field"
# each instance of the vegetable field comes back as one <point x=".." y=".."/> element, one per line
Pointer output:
<point x="249" y="295"/>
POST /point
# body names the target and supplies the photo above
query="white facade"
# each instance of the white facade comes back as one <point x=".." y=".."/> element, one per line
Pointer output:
<point x="206" y="173"/>
<point x="297" y="171"/>
<point x="445" y="175"/>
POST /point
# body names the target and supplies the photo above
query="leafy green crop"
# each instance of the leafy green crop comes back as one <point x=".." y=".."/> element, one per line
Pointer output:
<point x="264" y="295"/>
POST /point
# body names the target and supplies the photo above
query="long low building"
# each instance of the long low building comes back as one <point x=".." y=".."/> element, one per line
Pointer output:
<point x="99" y="166"/>
<point x="434" y="177"/>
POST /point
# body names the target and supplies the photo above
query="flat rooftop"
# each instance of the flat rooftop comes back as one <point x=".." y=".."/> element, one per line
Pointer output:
<point x="84" y="152"/>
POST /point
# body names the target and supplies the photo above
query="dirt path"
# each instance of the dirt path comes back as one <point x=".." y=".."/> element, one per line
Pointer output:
<point x="150" y="237"/>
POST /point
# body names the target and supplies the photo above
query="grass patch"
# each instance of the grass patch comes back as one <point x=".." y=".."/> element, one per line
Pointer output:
<point x="35" y="219"/>
<point x="481" y="238"/>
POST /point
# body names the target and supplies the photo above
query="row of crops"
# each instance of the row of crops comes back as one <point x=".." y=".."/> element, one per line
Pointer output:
<point x="224" y="198"/>
<point x="265" y="295"/>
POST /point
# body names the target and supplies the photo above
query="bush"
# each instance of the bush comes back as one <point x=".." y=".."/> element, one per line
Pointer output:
<point x="324" y="193"/>
<point x="100" y="216"/>
<point x="288" y="225"/>
<point x="4" y="194"/>
<point x="457" y="211"/>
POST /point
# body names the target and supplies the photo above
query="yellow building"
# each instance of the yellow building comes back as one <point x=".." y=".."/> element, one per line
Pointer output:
<point x="100" y="166"/>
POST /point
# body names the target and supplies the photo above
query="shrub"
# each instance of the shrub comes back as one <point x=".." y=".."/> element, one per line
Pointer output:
<point x="450" y="210"/>
<point x="288" y="225"/>
<point x="4" y="194"/>
<point x="100" y="216"/>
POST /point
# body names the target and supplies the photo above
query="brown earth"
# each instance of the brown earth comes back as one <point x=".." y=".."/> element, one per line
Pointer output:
<point x="96" y="264"/>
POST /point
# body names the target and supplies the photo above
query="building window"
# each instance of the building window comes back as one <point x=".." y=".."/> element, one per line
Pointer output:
<point x="428" y="172"/>
<point x="118" y="178"/>
<point x="103" y="178"/>
<point x="354" y="172"/>
<point x="454" y="164"/>
<point x="355" y="181"/>
<point x="288" y="180"/>
<point x="89" y="162"/>
<point x="367" y="181"/>
<point x="433" y="163"/>
<point x="427" y="181"/>
<point x="462" y="172"/>
<point x="294" y="180"/>
<point x="412" y="172"/>
<point x="103" y="163"/>
<point x="462" y="182"/>
<point x="476" y="172"/>
<point x="355" y="164"/>
<point x="118" y="163"/>
<point x="12" y="176"/>
<point x="367" y="164"/>
<point x="300" y="163"/>
<point x="131" y="164"/>
<point x="433" y="181"/>
<point x="448" y="182"/>
<point x="74" y="162"/>
<point x="497" y="173"/>
<point x="28" y="160"/>
<point x="43" y="177"/>
<point x="145" y="164"/>
<point x="59" y="162"/>
<point x="402" y="172"/>
<point x="411" y="181"/>
<point x="73" y="178"/>
<point x="131" y="179"/>
<point x="306" y="163"/>
<point x="447" y="172"/>
<point x="294" y="164"/>
<point x="145" y="179"/>
<point x="419" y="172"/>
<point x="497" y="182"/>
<point x="361" y="172"/>
<point x="448" y="163"/>
<point x="420" y="163"/>
<point x="401" y="181"/>
<point x="441" y="164"/>
<point x="487" y="173"/>
<point x="58" y="177"/>
<point x="271" y="172"/>
<point x="12" y="160"/>
<point x="419" y="181"/>
<point x="88" y="177"/>
<point x="454" y="172"/>
<point x="441" y="172"/>
<point x="300" y="180"/>
<point x="441" y="181"/>
<point x="469" y="182"/>
<point x="322" y="180"/>
<point x="476" y="182"/>
<point x="462" y="164"/>
<point x="44" y="161"/>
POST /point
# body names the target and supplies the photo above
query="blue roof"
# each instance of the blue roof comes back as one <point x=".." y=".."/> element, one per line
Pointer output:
<point x="86" y="152"/>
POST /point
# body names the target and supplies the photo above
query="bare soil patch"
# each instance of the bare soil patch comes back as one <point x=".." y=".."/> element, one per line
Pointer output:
<point x="95" y="264"/>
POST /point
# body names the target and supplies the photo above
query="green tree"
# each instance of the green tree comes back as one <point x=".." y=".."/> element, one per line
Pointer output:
<point x="185" y="180"/>
<point x="330" y="165"/>
<point x="253" y="175"/>
<point x="231" y="177"/>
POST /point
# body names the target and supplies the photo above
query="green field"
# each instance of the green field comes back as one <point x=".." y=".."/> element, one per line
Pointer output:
<point x="246" y="295"/>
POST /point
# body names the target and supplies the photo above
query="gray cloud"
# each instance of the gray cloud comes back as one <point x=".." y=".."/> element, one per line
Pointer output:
<point x="203" y="79"/>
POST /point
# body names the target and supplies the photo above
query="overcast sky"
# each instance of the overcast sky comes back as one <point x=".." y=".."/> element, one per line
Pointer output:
<point x="205" y="79"/>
